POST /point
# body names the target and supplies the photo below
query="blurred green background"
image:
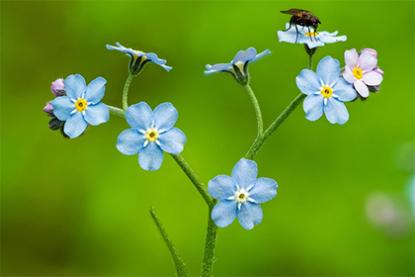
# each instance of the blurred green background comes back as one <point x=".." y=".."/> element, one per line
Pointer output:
<point x="79" y="207"/>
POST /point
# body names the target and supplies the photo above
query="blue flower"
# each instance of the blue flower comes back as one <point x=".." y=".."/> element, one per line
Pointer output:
<point x="240" y="195"/>
<point x="151" y="133"/>
<point x="326" y="91"/>
<point x="81" y="105"/>
<point x="303" y="35"/>
<point x="139" y="58"/>
<point x="238" y="67"/>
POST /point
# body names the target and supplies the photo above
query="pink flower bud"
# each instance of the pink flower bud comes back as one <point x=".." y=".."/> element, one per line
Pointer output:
<point x="57" y="87"/>
<point x="48" y="108"/>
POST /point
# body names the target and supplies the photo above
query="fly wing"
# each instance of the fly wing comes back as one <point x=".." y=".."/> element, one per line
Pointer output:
<point x="294" y="11"/>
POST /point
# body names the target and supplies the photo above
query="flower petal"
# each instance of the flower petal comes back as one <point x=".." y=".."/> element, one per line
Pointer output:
<point x="264" y="190"/>
<point x="308" y="82"/>
<point x="367" y="61"/>
<point x="75" y="125"/>
<point x="95" y="90"/>
<point x="219" y="67"/>
<point x="261" y="55"/>
<point x="351" y="57"/>
<point x="224" y="213"/>
<point x="97" y="114"/>
<point x="348" y="75"/>
<point x="336" y="111"/>
<point x="139" y="116"/>
<point x="372" y="78"/>
<point x="130" y="141"/>
<point x="328" y="69"/>
<point x="221" y="187"/>
<point x="344" y="91"/>
<point x="327" y="37"/>
<point x="165" y="116"/>
<point x="370" y="51"/>
<point x="313" y="107"/>
<point x="172" y="141"/>
<point x="245" y="172"/>
<point x="249" y="215"/>
<point x="62" y="107"/>
<point x="150" y="157"/>
<point x="361" y="88"/>
<point x="161" y="62"/>
<point x="245" y="55"/>
<point x="75" y="86"/>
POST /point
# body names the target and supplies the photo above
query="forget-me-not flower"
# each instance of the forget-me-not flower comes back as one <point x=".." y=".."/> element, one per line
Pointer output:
<point x="81" y="105"/>
<point x="151" y="133"/>
<point x="326" y="91"/>
<point x="238" y="67"/>
<point x="139" y="58"/>
<point x="362" y="70"/>
<point x="240" y="195"/>
<point x="304" y="35"/>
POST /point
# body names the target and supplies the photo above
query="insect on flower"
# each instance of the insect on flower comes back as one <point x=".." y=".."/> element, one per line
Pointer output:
<point x="303" y="18"/>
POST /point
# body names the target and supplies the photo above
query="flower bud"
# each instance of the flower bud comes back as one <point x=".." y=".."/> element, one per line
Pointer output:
<point x="48" y="109"/>
<point x="57" y="87"/>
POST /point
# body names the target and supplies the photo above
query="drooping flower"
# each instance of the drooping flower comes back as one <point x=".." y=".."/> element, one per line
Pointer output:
<point x="57" y="87"/>
<point x="240" y="195"/>
<point x="151" y="133"/>
<point x="362" y="70"/>
<point x="139" y="58"/>
<point x="238" y="66"/>
<point x="326" y="91"/>
<point x="303" y="35"/>
<point x="81" y="105"/>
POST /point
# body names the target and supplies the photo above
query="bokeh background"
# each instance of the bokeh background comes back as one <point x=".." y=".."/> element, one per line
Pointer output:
<point x="79" y="207"/>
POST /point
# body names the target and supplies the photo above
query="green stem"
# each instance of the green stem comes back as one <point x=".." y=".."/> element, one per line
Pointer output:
<point x="210" y="243"/>
<point x="194" y="178"/>
<point x="116" y="111"/>
<point x="178" y="261"/>
<point x="254" y="100"/>
<point x="125" y="91"/>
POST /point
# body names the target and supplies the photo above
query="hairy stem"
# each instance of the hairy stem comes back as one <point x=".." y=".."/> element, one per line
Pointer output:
<point x="116" y="111"/>
<point x="254" y="100"/>
<point x="210" y="244"/>
<point x="178" y="261"/>
<point x="125" y="91"/>
<point x="194" y="178"/>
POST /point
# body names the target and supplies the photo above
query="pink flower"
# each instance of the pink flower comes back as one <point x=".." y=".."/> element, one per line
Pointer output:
<point x="57" y="87"/>
<point x="362" y="71"/>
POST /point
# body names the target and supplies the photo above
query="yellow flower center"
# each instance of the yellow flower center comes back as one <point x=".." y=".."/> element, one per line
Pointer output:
<point x="326" y="91"/>
<point x="81" y="104"/>
<point x="241" y="196"/>
<point x="357" y="73"/>
<point x="152" y="135"/>
<point x="311" y="34"/>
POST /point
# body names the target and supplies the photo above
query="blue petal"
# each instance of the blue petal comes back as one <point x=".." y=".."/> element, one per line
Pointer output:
<point x="172" y="141"/>
<point x="75" y="86"/>
<point x="97" y="114"/>
<point x="122" y="49"/>
<point x="95" y="90"/>
<point x="344" y="91"/>
<point x="150" y="157"/>
<point x="219" y="67"/>
<point x="287" y="36"/>
<point x="249" y="215"/>
<point x="62" y="107"/>
<point x="313" y="107"/>
<point x="264" y="190"/>
<point x="75" y="125"/>
<point x="336" y="111"/>
<point x="161" y="62"/>
<point x="308" y="82"/>
<point x="328" y="69"/>
<point x="165" y="116"/>
<point x="224" y="213"/>
<point x="313" y="43"/>
<point x="130" y="141"/>
<point x="262" y="54"/>
<point x="221" y="187"/>
<point x="245" y="55"/>
<point x="139" y="116"/>
<point x="245" y="172"/>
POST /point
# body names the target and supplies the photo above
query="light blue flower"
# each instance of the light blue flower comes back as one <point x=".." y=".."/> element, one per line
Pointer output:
<point x="238" y="66"/>
<point x="304" y="35"/>
<point x="151" y="133"/>
<point x="326" y="91"/>
<point x="81" y="105"/>
<point x="139" y="58"/>
<point x="240" y="195"/>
